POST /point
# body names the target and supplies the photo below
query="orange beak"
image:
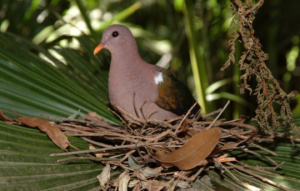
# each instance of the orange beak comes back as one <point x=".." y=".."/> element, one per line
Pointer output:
<point x="98" y="49"/>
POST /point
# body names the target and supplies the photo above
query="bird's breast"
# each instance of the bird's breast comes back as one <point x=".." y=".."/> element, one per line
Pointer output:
<point x="127" y="89"/>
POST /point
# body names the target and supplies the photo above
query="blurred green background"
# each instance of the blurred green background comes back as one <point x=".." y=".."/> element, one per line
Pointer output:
<point x="169" y="33"/>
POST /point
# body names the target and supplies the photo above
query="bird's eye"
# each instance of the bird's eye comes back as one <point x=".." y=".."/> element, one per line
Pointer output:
<point x="115" y="34"/>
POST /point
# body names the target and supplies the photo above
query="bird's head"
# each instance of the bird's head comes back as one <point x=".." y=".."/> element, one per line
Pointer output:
<point x="117" y="39"/>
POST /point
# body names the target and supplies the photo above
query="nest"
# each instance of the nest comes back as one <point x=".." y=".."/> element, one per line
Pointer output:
<point x="158" y="155"/>
<point x="164" y="155"/>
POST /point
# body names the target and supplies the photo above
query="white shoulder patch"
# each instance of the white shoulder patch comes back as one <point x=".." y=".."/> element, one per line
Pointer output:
<point x="158" y="78"/>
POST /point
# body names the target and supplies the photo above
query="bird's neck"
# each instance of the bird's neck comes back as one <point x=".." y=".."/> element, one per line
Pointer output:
<point x="126" y="61"/>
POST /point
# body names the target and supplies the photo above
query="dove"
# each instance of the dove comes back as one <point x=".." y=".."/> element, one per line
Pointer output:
<point x="140" y="88"/>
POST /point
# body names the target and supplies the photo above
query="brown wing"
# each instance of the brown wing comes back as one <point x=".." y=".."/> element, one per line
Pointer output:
<point x="174" y="96"/>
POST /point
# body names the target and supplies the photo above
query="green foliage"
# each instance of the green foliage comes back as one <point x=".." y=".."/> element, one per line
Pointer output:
<point x="25" y="163"/>
<point x="50" y="86"/>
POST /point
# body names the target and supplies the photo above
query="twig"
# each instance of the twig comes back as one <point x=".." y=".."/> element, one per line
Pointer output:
<point x="185" y="116"/>
<point x="126" y="156"/>
<point x="104" y="149"/>
<point x="142" y="111"/>
<point x="212" y="113"/>
<point x="192" y="178"/>
<point x="257" y="154"/>
<point x="262" y="148"/>
<point x="219" y="115"/>
<point x="86" y="158"/>
<point x="158" y="137"/>
<point x="95" y="142"/>
<point x="134" y="106"/>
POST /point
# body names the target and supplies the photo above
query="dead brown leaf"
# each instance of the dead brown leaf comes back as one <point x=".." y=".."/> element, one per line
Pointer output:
<point x="230" y="146"/>
<point x="123" y="181"/>
<point x="224" y="158"/>
<point x="104" y="176"/>
<point x="52" y="130"/>
<point x="4" y="117"/>
<point x="93" y="116"/>
<point x="194" y="152"/>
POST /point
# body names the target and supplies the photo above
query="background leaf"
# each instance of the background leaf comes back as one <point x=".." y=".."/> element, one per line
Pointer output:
<point x="25" y="163"/>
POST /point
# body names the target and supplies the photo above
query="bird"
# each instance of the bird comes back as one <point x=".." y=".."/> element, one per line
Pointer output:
<point x="139" y="88"/>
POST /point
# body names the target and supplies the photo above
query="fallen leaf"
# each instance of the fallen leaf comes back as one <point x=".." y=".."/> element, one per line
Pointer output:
<point x="139" y="175"/>
<point x="133" y="183"/>
<point x="224" y="158"/>
<point x="194" y="152"/>
<point x="52" y="130"/>
<point x="229" y="146"/>
<point x="133" y="164"/>
<point x="123" y="181"/>
<point x="98" y="155"/>
<point x="104" y="176"/>
<point x="154" y="185"/>
<point x="4" y="117"/>
<point x="94" y="117"/>
<point x="148" y="172"/>
<point x="183" y="184"/>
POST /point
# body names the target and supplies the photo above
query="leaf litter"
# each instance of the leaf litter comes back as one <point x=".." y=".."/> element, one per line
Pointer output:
<point x="158" y="155"/>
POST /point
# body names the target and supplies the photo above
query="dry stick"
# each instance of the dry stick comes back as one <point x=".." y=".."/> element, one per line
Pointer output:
<point x="238" y="120"/>
<point x="142" y="111"/>
<point x="105" y="133"/>
<point x="174" y="119"/>
<point x="243" y="125"/>
<point x="242" y="169"/>
<point x="197" y="116"/>
<point x="83" y="122"/>
<point x="228" y="171"/>
<point x="185" y="116"/>
<point x="128" y="114"/>
<point x="140" y="153"/>
<point x="262" y="148"/>
<point x="228" y="102"/>
<point x="105" y="149"/>
<point x="157" y="137"/>
<point x="126" y="156"/>
<point x="257" y="154"/>
<point x="134" y="106"/>
<point x="106" y="136"/>
<point x="212" y="113"/>
<point x="261" y="168"/>
<point x="203" y="123"/>
<point x="80" y="129"/>
<point x="96" y="143"/>
<point x="152" y="114"/>
<point x="86" y="158"/>
<point x="192" y="178"/>
<point x="123" y="121"/>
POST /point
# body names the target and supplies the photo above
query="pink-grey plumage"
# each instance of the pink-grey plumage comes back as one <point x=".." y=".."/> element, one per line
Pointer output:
<point x="130" y="77"/>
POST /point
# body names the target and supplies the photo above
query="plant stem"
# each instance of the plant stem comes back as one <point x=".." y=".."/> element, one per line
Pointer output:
<point x="198" y="66"/>
<point x="84" y="16"/>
